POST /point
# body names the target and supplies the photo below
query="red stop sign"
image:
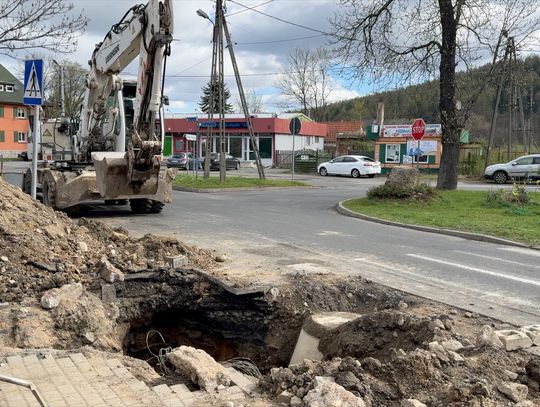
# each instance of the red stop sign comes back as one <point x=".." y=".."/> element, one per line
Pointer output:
<point x="418" y="129"/>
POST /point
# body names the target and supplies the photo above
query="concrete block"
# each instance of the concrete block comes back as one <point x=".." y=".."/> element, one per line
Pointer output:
<point x="513" y="339"/>
<point x="108" y="272"/>
<point x="315" y="326"/>
<point x="176" y="261"/>
<point x="533" y="332"/>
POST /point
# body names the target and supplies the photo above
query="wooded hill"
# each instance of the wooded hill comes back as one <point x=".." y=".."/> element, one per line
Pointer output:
<point x="405" y="104"/>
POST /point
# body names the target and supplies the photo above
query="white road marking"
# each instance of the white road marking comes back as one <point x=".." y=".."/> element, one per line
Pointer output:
<point x="497" y="259"/>
<point x="522" y="250"/>
<point x="401" y="271"/>
<point x="476" y="269"/>
<point x="329" y="233"/>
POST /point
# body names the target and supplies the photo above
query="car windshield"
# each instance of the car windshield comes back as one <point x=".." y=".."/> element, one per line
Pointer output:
<point x="179" y="155"/>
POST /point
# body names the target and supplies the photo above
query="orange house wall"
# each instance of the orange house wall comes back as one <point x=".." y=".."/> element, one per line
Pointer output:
<point x="9" y="124"/>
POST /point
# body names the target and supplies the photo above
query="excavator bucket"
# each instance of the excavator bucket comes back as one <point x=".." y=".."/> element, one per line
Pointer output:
<point x="115" y="179"/>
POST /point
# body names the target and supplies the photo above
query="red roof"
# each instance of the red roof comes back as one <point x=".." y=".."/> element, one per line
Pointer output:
<point x="260" y="125"/>
<point x="352" y="126"/>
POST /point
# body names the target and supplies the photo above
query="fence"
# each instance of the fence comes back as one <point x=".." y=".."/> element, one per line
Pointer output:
<point x="284" y="159"/>
<point x="472" y="159"/>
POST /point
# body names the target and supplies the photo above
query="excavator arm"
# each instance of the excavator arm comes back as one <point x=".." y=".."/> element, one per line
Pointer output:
<point x="128" y="157"/>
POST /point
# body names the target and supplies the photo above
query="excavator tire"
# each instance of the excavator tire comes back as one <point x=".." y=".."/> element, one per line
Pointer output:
<point x="145" y="206"/>
<point x="157" y="206"/>
<point x="27" y="182"/>
<point x="48" y="186"/>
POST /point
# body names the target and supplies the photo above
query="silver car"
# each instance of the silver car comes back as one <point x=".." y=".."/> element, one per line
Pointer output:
<point x="527" y="166"/>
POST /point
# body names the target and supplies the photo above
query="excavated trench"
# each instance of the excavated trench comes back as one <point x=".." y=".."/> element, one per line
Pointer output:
<point x="170" y="309"/>
<point x="174" y="309"/>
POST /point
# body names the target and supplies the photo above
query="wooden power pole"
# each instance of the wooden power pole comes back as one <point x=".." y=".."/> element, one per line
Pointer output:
<point x="217" y="92"/>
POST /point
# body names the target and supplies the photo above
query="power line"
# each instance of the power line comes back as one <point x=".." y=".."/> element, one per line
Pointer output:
<point x="284" y="40"/>
<point x="246" y="9"/>
<point x="281" y="19"/>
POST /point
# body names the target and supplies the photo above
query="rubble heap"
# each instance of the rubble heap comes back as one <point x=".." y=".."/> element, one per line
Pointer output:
<point x="42" y="249"/>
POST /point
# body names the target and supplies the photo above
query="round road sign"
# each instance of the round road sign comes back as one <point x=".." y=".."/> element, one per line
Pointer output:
<point x="418" y="129"/>
<point x="295" y="125"/>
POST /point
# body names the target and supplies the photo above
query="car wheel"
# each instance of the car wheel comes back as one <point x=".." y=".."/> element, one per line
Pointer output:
<point x="237" y="166"/>
<point x="323" y="172"/>
<point x="500" y="177"/>
<point x="355" y="173"/>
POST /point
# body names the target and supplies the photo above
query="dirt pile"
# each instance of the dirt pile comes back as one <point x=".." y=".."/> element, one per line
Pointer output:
<point x="474" y="381"/>
<point x="42" y="249"/>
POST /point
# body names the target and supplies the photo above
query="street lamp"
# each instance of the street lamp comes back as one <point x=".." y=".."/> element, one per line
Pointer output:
<point x="62" y="101"/>
<point x="202" y="14"/>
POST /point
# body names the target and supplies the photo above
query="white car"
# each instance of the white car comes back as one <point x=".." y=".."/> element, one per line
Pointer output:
<point x="522" y="167"/>
<point x="353" y="165"/>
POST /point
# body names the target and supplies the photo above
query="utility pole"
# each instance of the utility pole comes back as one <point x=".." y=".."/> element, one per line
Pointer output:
<point x="497" y="102"/>
<point x="62" y="93"/>
<point x="221" y="85"/>
<point x="62" y="90"/>
<point x="516" y="115"/>
<point x="209" y="129"/>
<point x="245" y="109"/>
<point x="221" y="28"/>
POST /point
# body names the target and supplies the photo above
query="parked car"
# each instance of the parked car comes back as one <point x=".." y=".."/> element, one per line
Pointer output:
<point x="231" y="163"/>
<point x="353" y="165"/>
<point x="180" y="160"/>
<point x="527" y="166"/>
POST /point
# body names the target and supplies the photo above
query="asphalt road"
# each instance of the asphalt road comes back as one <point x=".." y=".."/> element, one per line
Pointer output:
<point x="291" y="230"/>
<point x="299" y="230"/>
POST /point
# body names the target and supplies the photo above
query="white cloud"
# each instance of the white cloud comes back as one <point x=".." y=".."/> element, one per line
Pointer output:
<point x="188" y="67"/>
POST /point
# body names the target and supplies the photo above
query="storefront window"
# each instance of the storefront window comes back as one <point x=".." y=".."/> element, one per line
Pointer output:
<point x="392" y="153"/>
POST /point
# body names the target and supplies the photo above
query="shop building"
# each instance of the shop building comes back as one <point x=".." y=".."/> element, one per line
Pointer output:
<point x="272" y="135"/>
<point x="395" y="146"/>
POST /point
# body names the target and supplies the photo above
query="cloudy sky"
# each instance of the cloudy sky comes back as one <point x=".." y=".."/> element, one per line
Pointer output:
<point x="263" y="44"/>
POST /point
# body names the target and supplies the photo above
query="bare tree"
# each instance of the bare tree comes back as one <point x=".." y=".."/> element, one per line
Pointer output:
<point x="306" y="81"/>
<point x="38" y="25"/>
<point x="253" y="100"/>
<point x="74" y="89"/>
<point x="399" y="41"/>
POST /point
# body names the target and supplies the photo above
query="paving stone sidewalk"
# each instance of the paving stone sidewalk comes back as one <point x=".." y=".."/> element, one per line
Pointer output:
<point x="76" y="380"/>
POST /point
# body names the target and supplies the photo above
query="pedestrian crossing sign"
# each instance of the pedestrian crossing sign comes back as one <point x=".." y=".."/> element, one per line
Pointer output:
<point x="33" y="82"/>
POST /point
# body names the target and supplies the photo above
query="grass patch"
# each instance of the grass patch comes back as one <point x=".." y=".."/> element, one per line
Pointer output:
<point x="189" y="181"/>
<point x="469" y="211"/>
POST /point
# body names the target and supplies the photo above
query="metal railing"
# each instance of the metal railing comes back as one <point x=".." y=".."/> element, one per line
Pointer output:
<point x="28" y="385"/>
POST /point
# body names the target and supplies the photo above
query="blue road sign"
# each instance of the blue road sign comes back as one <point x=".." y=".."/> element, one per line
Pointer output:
<point x="33" y="82"/>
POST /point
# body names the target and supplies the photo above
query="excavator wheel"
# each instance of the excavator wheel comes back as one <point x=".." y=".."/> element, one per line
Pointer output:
<point x="27" y="182"/>
<point x="48" y="186"/>
<point x="145" y="206"/>
<point x="157" y="206"/>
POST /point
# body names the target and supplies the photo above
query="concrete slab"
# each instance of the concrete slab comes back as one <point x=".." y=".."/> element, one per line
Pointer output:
<point x="513" y="339"/>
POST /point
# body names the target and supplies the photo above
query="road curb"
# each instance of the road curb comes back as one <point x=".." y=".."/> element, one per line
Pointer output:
<point x="464" y="235"/>
<point x="212" y="190"/>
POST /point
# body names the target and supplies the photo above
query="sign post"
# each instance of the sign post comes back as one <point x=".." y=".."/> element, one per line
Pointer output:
<point x="33" y="96"/>
<point x="294" y="126"/>
<point x="418" y="131"/>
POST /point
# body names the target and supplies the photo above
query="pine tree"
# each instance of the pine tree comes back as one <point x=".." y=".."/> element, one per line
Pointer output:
<point x="204" y="104"/>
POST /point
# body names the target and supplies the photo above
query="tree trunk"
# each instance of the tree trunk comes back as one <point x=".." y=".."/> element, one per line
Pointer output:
<point x="448" y="171"/>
